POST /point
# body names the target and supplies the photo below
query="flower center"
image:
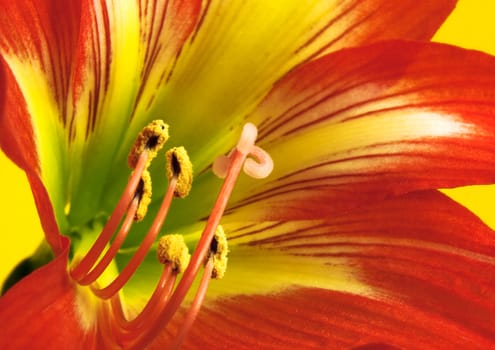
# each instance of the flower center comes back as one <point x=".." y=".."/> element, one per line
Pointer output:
<point x="210" y="253"/>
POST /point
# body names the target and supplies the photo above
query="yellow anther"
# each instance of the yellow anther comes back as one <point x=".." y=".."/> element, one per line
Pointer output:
<point x="179" y="166"/>
<point x="219" y="249"/>
<point x="144" y="193"/>
<point x="173" y="250"/>
<point x="151" y="138"/>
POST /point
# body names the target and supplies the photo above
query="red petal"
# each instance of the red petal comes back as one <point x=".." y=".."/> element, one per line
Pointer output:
<point x="46" y="213"/>
<point x="429" y="263"/>
<point x="368" y="123"/>
<point x="240" y="49"/>
<point x="358" y="23"/>
<point x="38" y="34"/>
<point x="19" y="145"/>
<point x="322" y="319"/>
<point x="18" y="142"/>
<point x="42" y="34"/>
<point x="40" y="311"/>
<point x="420" y="216"/>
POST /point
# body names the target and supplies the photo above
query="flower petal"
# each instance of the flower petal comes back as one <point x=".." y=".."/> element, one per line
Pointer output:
<point x="322" y="319"/>
<point x="126" y="54"/>
<point x="372" y="122"/>
<point x="36" y="48"/>
<point x="20" y="147"/>
<point x="45" y="297"/>
<point x="88" y="72"/>
<point x="425" y="265"/>
<point x="240" y="49"/>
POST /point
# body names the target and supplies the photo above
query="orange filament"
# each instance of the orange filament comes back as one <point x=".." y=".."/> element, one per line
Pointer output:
<point x="139" y="332"/>
<point x="192" y="313"/>
<point x="116" y="244"/>
<point x="157" y="301"/>
<point x="83" y="267"/>
<point x="138" y="257"/>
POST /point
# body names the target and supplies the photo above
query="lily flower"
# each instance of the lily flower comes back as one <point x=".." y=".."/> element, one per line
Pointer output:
<point x="344" y="114"/>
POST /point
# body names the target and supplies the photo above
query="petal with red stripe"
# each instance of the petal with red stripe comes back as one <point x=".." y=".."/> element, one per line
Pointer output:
<point x="126" y="55"/>
<point x="37" y="40"/>
<point x="241" y="48"/>
<point x="372" y="122"/>
<point x="424" y="266"/>
<point x="77" y="75"/>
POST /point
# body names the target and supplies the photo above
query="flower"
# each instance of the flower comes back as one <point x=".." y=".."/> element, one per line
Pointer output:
<point x="345" y="244"/>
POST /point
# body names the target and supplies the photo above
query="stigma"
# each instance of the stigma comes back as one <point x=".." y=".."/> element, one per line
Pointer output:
<point x="180" y="268"/>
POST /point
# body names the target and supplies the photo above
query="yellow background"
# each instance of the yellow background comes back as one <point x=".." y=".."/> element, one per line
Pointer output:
<point x="472" y="25"/>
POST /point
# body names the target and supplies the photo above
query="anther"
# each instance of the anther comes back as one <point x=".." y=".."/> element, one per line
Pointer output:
<point x="218" y="253"/>
<point x="211" y="251"/>
<point x="136" y="212"/>
<point x="140" y="254"/>
<point x="84" y="265"/>
<point x="173" y="250"/>
<point x="151" y="138"/>
<point x="180" y="167"/>
<point x="144" y="195"/>
<point x="173" y="253"/>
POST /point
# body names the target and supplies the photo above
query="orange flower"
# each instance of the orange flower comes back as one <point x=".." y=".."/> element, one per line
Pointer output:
<point x="346" y="243"/>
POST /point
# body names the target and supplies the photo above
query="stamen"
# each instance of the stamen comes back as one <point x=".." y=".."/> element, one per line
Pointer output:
<point x="138" y="257"/>
<point x="211" y="250"/>
<point x="144" y="191"/>
<point x="218" y="254"/>
<point x="179" y="166"/>
<point x="173" y="250"/>
<point x="157" y="302"/>
<point x="173" y="253"/>
<point x="237" y="158"/>
<point x="147" y="144"/>
<point x="114" y="247"/>
<point x="151" y="138"/>
<point x="85" y="264"/>
<point x="193" y="311"/>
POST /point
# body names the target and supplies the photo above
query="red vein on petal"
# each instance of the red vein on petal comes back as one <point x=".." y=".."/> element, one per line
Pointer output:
<point x="330" y="23"/>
